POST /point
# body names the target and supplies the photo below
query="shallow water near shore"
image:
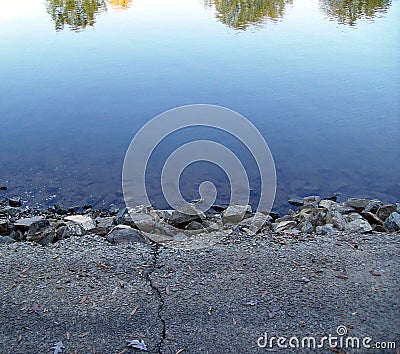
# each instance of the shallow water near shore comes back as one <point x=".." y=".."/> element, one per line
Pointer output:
<point x="321" y="86"/>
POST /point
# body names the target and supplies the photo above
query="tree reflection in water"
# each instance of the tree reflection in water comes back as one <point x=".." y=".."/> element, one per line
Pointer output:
<point x="240" y="14"/>
<point x="349" y="11"/>
<point x="120" y="4"/>
<point x="76" y="14"/>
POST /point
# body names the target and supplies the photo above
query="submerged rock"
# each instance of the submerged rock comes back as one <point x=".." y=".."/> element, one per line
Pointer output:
<point x="14" y="202"/>
<point x="6" y="240"/>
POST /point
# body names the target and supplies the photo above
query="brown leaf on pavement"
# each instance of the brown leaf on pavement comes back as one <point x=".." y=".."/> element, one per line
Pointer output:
<point x="210" y="311"/>
<point x="83" y="335"/>
<point x="234" y="321"/>
<point x="374" y="273"/>
<point x="134" y="311"/>
<point x="83" y="299"/>
<point x="341" y="276"/>
<point x="180" y="351"/>
<point x="167" y="290"/>
<point x="68" y="335"/>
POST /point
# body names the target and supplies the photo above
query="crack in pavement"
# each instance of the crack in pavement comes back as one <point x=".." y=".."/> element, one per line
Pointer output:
<point x="155" y="252"/>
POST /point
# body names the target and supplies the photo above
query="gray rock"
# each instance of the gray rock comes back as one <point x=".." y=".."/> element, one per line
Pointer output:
<point x="103" y="226"/>
<point x="317" y="217"/>
<point x="357" y="203"/>
<point x="327" y="229"/>
<point x="41" y="232"/>
<point x="358" y="226"/>
<point x="373" y="206"/>
<point x="236" y="213"/>
<point x="328" y="204"/>
<point x="12" y="211"/>
<point x="284" y="226"/>
<point x="189" y="213"/>
<point x="256" y="222"/>
<point x="17" y="235"/>
<point x="372" y="218"/>
<point x="392" y="223"/>
<point x="14" y="202"/>
<point x="336" y="219"/>
<point x="180" y="237"/>
<point x="306" y="227"/>
<point x="126" y="235"/>
<point x="69" y="229"/>
<point x="25" y="224"/>
<point x="385" y="210"/>
<point x="84" y="221"/>
<point x="194" y="225"/>
<point x="4" y="223"/>
<point x="143" y="222"/>
<point x="120" y="216"/>
<point x="311" y="201"/>
<point x="6" y="240"/>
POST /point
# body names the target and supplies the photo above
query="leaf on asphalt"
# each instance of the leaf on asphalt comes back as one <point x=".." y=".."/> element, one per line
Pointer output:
<point x="83" y="335"/>
<point x="189" y="267"/>
<point x="341" y="276"/>
<point x="121" y="283"/>
<point x="351" y="326"/>
<point x="13" y="285"/>
<point x="68" y="335"/>
<point x="137" y="344"/>
<point x="180" y="351"/>
<point x="58" y="347"/>
<point x="167" y="290"/>
<point x="56" y="256"/>
<point x="19" y="339"/>
<point x="234" y="321"/>
<point x="374" y="273"/>
<point x="83" y="299"/>
<point x="217" y="275"/>
<point x="134" y="310"/>
<point x="210" y="311"/>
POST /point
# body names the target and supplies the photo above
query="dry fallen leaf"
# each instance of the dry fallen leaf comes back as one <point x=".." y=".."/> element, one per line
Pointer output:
<point x="374" y="273"/>
<point x="83" y="299"/>
<point x="13" y="285"/>
<point x="68" y="335"/>
<point x="18" y="340"/>
<point x="134" y="311"/>
<point x="121" y="283"/>
<point x="167" y="290"/>
<point x="234" y="321"/>
<point x="341" y="276"/>
<point x="83" y="335"/>
<point x="210" y="311"/>
<point x="189" y="267"/>
<point x="56" y="256"/>
<point x="180" y="351"/>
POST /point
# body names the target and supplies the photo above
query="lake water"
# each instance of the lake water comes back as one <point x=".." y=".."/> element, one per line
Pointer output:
<point x="319" y="79"/>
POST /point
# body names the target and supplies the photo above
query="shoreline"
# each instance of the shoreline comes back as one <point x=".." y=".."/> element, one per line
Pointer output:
<point x="310" y="215"/>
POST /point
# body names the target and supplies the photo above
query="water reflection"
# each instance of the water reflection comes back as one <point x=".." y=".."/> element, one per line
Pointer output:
<point x="240" y="14"/>
<point x="120" y="4"/>
<point x="349" y="11"/>
<point x="76" y="14"/>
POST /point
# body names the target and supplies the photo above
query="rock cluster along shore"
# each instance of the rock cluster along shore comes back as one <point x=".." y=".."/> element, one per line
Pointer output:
<point x="144" y="224"/>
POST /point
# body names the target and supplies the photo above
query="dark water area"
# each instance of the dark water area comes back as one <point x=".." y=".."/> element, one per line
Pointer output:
<point x="319" y="79"/>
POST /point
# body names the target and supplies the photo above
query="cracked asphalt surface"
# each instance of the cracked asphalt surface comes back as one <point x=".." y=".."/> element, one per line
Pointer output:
<point x="94" y="296"/>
